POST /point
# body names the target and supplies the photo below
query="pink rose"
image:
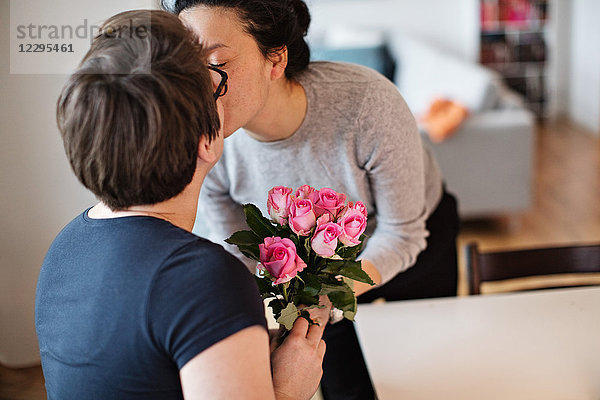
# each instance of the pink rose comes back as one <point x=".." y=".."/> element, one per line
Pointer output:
<point x="325" y="240"/>
<point x="304" y="192"/>
<point x="328" y="201"/>
<point x="301" y="216"/>
<point x="353" y="224"/>
<point x="359" y="206"/>
<point x="278" y="203"/>
<point x="278" y="256"/>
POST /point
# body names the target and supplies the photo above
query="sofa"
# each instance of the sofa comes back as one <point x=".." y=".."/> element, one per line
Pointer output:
<point x="487" y="161"/>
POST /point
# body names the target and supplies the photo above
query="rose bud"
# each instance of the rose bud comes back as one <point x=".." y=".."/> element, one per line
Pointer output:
<point x="304" y="192"/>
<point x="278" y="203"/>
<point x="359" y="206"/>
<point x="328" y="201"/>
<point x="353" y="224"/>
<point x="301" y="217"/>
<point x="325" y="240"/>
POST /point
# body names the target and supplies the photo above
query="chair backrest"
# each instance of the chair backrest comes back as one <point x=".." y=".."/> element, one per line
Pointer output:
<point x="504" y="265"/>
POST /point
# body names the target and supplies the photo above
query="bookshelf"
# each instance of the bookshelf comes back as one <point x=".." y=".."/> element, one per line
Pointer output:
<point x="513" y="43"/>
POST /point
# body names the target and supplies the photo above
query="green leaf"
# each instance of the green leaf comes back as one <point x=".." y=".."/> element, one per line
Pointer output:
<point x="252" y="252"/>
<point x="277" y="305"/>
<point x="344" y="300"/>
<point x="312" y="285"/>
<point x="333" y="267"/>
<point x="349" y="253"/>
<point x="313" y="306"/>
<point x="288" y="316"/>
<point x="259" y="224"/>
<point x="304" y="298"/>
<point x="350" y="314"/>
<point x="265" y="287"/>
<point x="330" y="287"/>
<point x="247" y="242"/>
<point x="295" y="240"/>
<point x="353" y="270"/>
<point x="247" y="238"/>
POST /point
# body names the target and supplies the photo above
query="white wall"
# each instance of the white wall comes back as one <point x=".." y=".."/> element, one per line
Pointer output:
<point x="451" y="24"/>
<point x="39" y="193"/>
<point x="558" y="40"/>
<point x="584" y="74"/>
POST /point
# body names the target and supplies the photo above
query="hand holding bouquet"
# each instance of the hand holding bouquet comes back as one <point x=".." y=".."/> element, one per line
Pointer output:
<point x="309" y="243"/>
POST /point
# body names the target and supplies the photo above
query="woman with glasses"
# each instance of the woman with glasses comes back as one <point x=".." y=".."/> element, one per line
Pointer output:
<point x="326" y="125"/>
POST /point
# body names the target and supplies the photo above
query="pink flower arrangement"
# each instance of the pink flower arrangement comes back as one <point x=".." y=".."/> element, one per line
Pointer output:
<point x="313" y="238"/>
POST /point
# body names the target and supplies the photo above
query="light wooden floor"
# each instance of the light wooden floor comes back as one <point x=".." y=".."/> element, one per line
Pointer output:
<point x="566" y="210"/>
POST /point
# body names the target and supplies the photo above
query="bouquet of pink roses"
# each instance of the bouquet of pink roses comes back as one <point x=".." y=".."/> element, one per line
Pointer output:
<point x="311" y="240"/>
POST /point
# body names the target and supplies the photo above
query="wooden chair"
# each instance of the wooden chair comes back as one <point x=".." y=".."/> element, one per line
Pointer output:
<point x="538" y="262"/>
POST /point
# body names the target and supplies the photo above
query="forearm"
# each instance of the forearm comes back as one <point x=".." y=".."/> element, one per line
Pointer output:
<point x="369" y="268"/>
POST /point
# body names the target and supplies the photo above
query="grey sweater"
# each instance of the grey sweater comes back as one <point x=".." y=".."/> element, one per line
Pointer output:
<point x="358" y="138"/>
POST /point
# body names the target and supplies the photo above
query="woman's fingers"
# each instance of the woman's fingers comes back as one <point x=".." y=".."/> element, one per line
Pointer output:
<point x="300" y="328"/>
<point x="304" y="331"/>
<point x="315" y="333"/>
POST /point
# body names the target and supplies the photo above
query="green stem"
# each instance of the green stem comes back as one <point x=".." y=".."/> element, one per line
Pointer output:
<point x="285" y="295"/>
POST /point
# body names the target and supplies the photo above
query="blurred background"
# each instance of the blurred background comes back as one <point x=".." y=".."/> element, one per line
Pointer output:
<point x="523" y="159"/>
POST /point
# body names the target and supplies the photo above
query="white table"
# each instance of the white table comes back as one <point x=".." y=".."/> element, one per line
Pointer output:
<point x="528" y="345"/>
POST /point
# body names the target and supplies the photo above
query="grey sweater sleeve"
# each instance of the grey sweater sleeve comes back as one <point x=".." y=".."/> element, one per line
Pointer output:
<point x="389" y="149"/>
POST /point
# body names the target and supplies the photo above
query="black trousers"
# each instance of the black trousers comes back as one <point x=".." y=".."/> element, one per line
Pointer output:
<point x="435" y="274"/>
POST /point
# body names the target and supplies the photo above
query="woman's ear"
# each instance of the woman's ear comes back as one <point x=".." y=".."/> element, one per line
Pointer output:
<point x="279" y="60"/>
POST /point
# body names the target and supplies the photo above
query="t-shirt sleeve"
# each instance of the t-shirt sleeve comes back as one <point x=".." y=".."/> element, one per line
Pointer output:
<point x="201" y="296"/>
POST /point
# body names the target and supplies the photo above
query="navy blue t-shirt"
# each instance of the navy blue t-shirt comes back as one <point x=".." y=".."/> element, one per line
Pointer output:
<point x="122" y="304"/>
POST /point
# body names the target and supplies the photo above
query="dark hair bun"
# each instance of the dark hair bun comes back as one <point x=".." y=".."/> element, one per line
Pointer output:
<point x="300" y="10"/>
<point x="298" y="51"/>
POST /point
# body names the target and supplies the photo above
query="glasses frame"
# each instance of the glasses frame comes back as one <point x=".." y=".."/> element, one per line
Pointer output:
<point x="222" y="88"/>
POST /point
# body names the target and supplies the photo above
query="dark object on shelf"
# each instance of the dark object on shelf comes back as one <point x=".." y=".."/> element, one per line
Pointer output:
<point x="513" y="44"/>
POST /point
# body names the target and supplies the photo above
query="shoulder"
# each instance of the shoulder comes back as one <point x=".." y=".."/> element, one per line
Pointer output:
<point x="329" y="71"/>
<point x="342" y="74"/>
<point x="353" y="88"/>
<point x="208" y="263"/>
<point x="201" y="295"/>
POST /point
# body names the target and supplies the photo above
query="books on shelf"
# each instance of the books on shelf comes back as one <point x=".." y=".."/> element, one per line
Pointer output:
<point x="513" y="44"/>
<point x="512" y="14"/>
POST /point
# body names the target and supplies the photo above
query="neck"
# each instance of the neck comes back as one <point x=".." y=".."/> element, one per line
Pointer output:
<point x="179" y="210"/>
<point x="282" y="114"/>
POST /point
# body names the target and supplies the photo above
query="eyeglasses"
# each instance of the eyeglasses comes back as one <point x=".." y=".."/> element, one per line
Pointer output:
<point x="222" y="88"/>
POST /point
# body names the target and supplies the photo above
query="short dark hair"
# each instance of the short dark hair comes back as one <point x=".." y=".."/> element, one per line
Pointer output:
<point x="132" y="114"/>
<point x="274" y="24"/>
